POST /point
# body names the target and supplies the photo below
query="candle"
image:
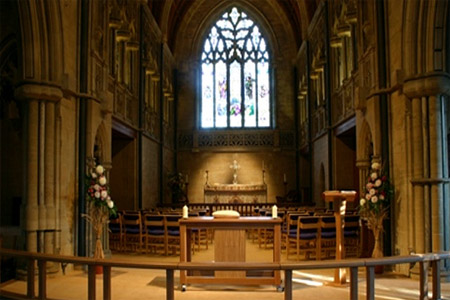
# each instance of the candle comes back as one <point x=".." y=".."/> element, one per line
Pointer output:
<point x="284" y="177"/>
<point x="263" y="165"/>
<point x="187" y="178"/>
<point x="185" y="212"/>
<point x="274" y="212"/>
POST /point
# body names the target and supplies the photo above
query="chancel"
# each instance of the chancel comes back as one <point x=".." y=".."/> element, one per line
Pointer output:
<point x="224" y="106"/>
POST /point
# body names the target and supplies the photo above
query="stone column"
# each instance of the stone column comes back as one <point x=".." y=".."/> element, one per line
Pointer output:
<point x="417" y="162"/>
<point x="31" y="206"/>
<point x="49" y="180"/>
<point x="436" y="173"/>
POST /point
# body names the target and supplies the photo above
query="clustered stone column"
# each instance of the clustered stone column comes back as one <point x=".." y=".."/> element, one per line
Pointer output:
<point x="41" y="202"/>
<point x="429" y="184"/>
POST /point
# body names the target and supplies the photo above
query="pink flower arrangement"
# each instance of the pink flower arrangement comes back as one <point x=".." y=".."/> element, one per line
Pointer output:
<point x="377" y="192"/>
<point x="98" y="191"/>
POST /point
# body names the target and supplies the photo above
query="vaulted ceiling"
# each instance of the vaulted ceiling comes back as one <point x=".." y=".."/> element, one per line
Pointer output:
<point x="169" y="14"/>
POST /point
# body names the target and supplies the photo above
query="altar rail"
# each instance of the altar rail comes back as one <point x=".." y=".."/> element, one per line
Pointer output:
<point x="244" y="209"/>
<point x="424" y="260"/>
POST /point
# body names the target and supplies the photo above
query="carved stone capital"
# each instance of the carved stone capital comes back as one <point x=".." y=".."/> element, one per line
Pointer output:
<point x="429" y="84"/>
<point x="38" y="91"/>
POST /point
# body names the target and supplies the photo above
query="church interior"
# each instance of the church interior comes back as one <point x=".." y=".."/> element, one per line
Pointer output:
<point x="223" y="105"/>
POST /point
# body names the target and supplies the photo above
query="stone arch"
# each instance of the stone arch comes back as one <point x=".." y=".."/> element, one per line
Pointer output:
<point x="424" y="40"/>
<point x="42" y="40"/>
<point x="196" y="24"/>
<point x="100" y="148"/>
<point x="365" y="142"/>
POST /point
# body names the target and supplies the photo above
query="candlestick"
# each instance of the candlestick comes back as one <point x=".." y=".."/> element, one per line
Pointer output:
<point x="284" y="177"/>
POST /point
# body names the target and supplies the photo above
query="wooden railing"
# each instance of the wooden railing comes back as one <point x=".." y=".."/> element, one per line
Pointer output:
<point x="425" y="261"/>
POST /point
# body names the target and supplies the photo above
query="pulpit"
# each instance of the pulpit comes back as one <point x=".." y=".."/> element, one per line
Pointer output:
<point x="339" y="200"/>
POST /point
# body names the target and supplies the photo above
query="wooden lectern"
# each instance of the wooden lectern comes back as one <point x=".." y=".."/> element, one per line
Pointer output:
<point x="339" y="200"/>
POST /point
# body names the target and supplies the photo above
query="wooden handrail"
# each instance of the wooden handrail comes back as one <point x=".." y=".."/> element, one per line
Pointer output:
<point x="425" y="261"/>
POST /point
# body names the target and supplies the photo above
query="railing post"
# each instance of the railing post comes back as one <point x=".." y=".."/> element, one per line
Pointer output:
<point x="423" y="284"/>
<point x="106" y="283"/>
<point x="287" y="284"/>
<point x="169" y="285"/>
<point x="353" y="283"/>
<point x="436" y="269"/>
<point x="42" y="265"/>
<point x="370" y="282"/>
<point x="91" y="282"/>
<point x="30" y="278"/>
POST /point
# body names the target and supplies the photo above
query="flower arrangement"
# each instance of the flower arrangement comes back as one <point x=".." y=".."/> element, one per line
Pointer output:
<point x="374" y="204"/>
<point x="101" y="206"/>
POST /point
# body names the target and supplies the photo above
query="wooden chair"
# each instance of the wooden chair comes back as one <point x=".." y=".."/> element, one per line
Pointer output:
<point x="172" y="228"/>
<point x="132" y="229"/>
<point x="116" y="233"/>
<point x="290" y="234"/>
<point x="327" y="243"/>
<point x="352" y="237"/>
<point x="305" y="237"/>
<point x="154" y="233"/>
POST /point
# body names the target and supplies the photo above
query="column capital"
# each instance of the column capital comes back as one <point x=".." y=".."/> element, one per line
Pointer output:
<point x="428" y="84"/>
<point x="38" y="91"/>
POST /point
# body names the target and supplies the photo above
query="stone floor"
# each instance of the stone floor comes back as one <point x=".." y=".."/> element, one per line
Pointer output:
<point x="150" y="284"/>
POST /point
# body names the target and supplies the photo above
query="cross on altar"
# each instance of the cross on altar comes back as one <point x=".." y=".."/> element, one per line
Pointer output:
<point x="235" y="166"/>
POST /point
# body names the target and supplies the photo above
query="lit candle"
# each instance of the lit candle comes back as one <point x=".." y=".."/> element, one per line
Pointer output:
<point x="274" y="212"/>
<point x="284" y="177"/>
<point x="185" y="212"/>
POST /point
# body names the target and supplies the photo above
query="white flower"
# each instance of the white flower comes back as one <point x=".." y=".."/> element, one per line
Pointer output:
<point x="96" y="187"/>
<point x="374" y="199"/>
<point x="372" y="192"/>
<point x="381" y="197"/>
<point x="99" y="169"/>
<point x="376" y="166"/>
<point x="362" y="201"/>
<point x="110" y="203"/>
<point x="368" y="196"/>
<point x="378" y="183"/>
<point x="94" y="175"/>
<point x="102" y="180"/>
<point x="97" y="194"/>
<point x="104" y="194"/>
<point x="374" y="175"/>
<point x="369" y="185"/>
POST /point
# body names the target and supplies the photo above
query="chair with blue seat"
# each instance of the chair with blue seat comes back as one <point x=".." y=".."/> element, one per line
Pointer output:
<point x="154" y="233"/>
<point x="172" y="226"/>
<point x="132" y="230"/>
<point x="290" y="233"/>
<point x="115" y="232"/>
<point x="352" y="239"/>
<point x="306" y="236"/>
<point x="327" y="244"/>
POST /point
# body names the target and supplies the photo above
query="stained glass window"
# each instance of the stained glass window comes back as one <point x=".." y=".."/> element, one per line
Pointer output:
<point x="235" y="81"/>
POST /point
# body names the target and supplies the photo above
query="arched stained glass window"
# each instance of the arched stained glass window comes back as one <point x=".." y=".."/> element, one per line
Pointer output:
<point x="235" y="75"/>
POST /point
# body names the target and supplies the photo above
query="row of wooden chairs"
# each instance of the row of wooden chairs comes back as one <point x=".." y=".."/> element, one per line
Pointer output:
<point x="134" y="231"/>
<point x="317" y="235"/>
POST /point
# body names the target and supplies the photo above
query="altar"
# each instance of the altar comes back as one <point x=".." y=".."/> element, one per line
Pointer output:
<point x="235" y="193"/>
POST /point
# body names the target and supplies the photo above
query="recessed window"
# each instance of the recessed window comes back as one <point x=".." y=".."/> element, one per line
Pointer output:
<point x="235" y="74"/>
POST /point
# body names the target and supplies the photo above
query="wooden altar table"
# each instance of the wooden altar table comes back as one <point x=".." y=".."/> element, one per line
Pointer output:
<point x="229" y="246"/>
